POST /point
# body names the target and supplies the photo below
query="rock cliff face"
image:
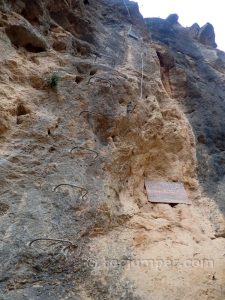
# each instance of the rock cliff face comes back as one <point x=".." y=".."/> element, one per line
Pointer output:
<point x="94" y="99"/>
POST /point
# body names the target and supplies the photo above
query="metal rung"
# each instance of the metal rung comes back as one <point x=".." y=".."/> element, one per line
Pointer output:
<point x="84" y="148"/>
<point x="50" y="239"/>
<point x="132" y="35"/>
<point x="73" y="186"/>
<point x="100" y="79"/>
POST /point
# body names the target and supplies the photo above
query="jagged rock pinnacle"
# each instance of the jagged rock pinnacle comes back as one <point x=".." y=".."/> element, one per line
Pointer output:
<point x="172" y="19"/>
<point x="206" y="35"/>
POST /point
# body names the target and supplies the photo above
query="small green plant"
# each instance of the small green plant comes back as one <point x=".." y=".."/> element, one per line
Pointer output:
<point x="53" y="80"/>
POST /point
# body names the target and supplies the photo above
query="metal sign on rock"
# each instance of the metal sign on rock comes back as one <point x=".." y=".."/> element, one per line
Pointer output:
<point x="166" y="192"/>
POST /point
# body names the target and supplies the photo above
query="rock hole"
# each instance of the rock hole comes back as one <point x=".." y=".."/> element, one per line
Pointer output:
<point x="86" y="2"/>
<point x="51" y="149"/>
<point x="25" y="37"/>
<point x="83" y="51"/>
<point x="93" y="72"/>
<point x="22" y="110"/>
<point x="173" y="204"/>
<point x="79" y="79"/>
<point x="122" y="101"/>
<point x="201" y="139"/>
<point x="49" y="132"/>
<point x="30" y="48"/>
<point x="79" y="49"/>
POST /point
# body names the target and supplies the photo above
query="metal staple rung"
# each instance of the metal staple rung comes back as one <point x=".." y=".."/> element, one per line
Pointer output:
<point x="81" y="147"/>
<point x="73" y="186"/>
<point x="101" y="79"/>
<point x="50" y="239"/>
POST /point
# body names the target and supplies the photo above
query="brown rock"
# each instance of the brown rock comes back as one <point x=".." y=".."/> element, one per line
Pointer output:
<point x="26" y="37"/>
<point x="75" y="221"/>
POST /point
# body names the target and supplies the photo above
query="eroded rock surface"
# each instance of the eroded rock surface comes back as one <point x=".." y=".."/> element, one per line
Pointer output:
<point x="90" y="107"/>
<point x="206" y="35"/>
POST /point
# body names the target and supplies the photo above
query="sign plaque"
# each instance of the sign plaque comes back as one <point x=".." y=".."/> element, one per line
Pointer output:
<point x="166" y="192"/>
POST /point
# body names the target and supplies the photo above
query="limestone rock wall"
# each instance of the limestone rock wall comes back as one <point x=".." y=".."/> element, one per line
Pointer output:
<point x="90" y="107"/>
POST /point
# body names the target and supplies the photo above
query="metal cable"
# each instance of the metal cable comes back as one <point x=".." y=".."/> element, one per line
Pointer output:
<point x="142" y="74"/>
<point x="128" y="11"/>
